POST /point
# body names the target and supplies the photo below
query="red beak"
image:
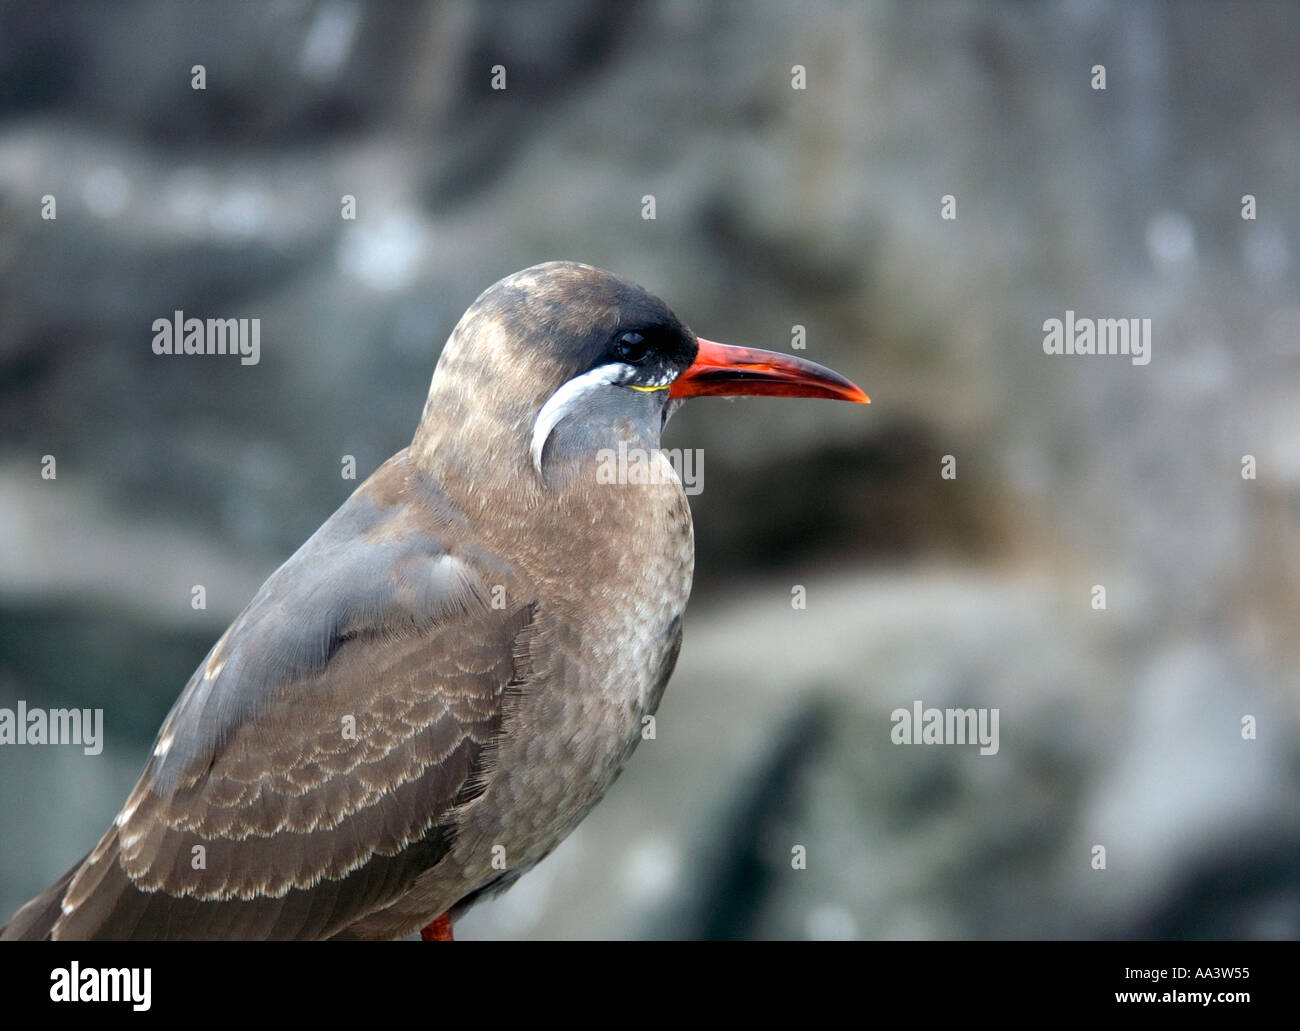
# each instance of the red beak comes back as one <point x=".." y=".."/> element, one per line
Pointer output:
<point x="720" y="369"/>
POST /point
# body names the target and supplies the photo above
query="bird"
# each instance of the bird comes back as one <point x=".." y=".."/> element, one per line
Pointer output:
<point x="440" y="684"/>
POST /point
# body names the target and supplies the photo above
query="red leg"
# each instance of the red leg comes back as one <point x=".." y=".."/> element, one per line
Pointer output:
<point x="438" y="931"/>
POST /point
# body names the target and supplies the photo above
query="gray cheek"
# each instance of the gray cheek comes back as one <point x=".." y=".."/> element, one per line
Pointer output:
<point x="602" y="419"/>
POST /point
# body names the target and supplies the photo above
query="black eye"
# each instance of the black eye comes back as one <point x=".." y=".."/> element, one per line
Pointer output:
<point x="631" y="347"/>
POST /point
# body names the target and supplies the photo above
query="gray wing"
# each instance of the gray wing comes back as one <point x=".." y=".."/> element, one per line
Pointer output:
<point x="312" y="767"/>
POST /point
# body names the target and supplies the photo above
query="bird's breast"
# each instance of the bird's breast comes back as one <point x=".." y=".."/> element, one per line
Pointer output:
<point x="611" y="594"/>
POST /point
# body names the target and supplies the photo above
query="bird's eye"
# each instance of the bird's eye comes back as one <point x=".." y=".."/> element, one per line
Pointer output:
<point x="631" y="347"/>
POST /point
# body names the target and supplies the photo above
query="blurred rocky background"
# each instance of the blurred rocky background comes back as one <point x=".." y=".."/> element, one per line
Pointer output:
<point x="775" y="207"/>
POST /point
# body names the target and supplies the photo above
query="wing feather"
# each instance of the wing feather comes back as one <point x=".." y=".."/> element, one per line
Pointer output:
<point x="313" y="766"/>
